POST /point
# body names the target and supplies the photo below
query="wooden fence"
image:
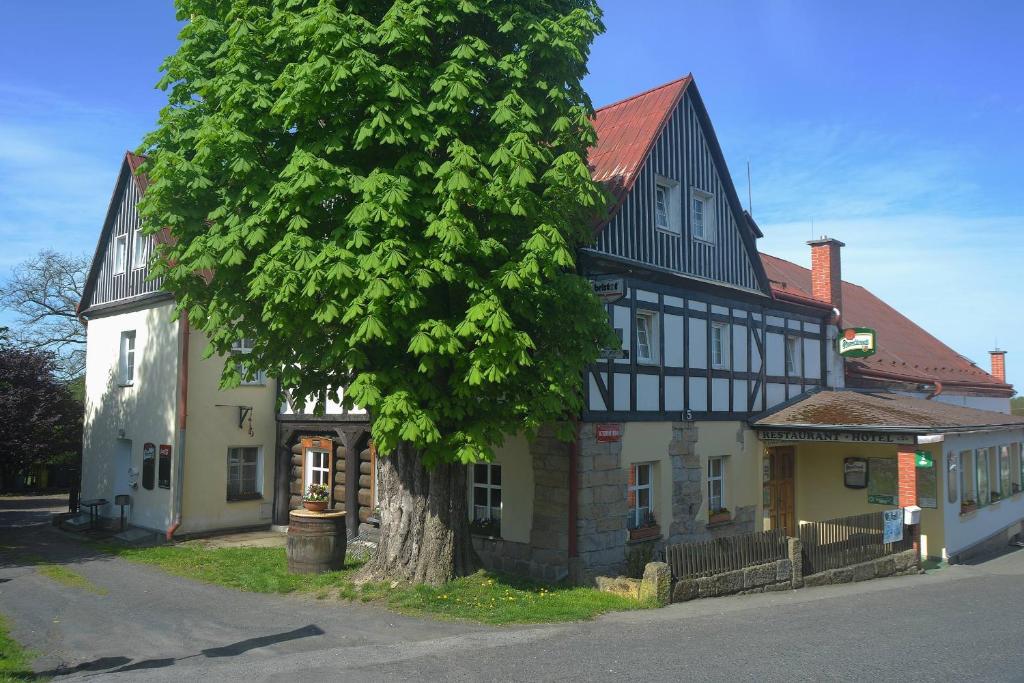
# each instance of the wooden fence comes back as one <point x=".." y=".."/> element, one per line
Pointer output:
<point x="730" y="553"/>
<point x="846" y="541"/>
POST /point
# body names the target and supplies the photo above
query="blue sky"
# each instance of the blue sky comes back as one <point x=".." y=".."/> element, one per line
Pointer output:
<point x="896" y="127"/>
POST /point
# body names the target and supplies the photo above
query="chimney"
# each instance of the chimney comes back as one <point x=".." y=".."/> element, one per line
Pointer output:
<point x="826" y="271"/>
<point x="998" y="364"/>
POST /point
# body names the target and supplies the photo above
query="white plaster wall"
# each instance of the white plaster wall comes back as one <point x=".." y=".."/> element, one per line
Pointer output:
<point x="963" y="531"/>
<point x="698" y="343"/>
<point x="144" y="412"/>
<point x="991" y="403"/>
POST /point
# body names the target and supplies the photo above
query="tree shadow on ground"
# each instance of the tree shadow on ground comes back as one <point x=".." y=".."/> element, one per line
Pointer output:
<point x="112" y="665"/>
<point x="33" y="545"/>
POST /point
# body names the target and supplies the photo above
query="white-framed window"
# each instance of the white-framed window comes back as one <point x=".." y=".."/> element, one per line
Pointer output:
<point x="120" y="253"/>
<point x="1005" y="482"/>
<point x="792" y="356"/>
<point x="126" y="362"/>
<point x="317" y="465"/>
<point x="968" y="480"/>
<point x="984" y="478"/>
<point x="646" y="337"/>
<point x="1017" y="464"/>
<point x="716" y="484"/>
<point x="640" y="495"/>
<point x="702" y="215"/>
<point x="667" y="215"/>
<point x="140" y="248"/>
<point x="720" y="345"/>
<point x="244" y="473"/>
<point x="245" y="346"/>
<point x="486" y="514"/>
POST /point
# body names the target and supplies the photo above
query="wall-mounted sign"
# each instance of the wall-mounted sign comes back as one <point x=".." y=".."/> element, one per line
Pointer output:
<point x="609" y="433"/>
<point x="148" y="466"/>
<point x="609" y="290"/>
<point x="613" y="354"/>
<point x="883" y="477"/>
<point x="923" y="459"/>
<point x="164" y="471"/>
<point x="855" y="473"/>
<point x="892" y="526"/>
<point x="837" y="436"/>
<point x="857" y="342"/>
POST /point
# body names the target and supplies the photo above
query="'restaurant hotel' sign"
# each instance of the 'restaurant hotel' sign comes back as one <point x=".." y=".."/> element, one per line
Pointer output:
<point x="837" y="436"/>
<point x="857" y="342"/>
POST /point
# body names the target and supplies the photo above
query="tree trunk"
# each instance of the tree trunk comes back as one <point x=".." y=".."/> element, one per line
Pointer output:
<point x="424" y="522"/>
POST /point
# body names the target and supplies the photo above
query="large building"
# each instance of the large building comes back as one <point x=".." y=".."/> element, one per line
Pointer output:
<point x="727" y="409"/>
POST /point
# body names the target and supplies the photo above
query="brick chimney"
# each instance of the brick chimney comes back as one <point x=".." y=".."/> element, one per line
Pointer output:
<point x="826" y="271"/>
<point x="998" y="365"/>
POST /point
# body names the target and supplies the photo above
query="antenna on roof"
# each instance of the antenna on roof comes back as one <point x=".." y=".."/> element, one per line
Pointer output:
<point x="750" y="201"/>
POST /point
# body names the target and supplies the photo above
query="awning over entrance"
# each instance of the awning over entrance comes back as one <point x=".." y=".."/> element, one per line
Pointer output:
<point x="858" y="416"/>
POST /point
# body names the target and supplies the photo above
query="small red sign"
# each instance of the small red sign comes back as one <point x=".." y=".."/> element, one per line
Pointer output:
<point x="609" y="433"/>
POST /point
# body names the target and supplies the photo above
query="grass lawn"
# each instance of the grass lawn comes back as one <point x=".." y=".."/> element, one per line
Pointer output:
<point x="14" y="661"/>
<point x="485" y="597"/>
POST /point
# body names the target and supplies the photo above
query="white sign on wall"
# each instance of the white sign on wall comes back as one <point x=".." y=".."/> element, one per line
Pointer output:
<point x="892" y="530"/>
<point x="609" y="290"/>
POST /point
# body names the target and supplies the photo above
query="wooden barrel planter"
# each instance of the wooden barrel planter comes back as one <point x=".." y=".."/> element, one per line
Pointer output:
<point x="316" y="542"/>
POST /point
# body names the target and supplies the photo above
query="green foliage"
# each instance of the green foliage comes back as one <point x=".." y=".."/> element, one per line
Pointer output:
<point x="387" y="197"/>
<point x="14" y="660"/>
<point x="1017" y="405"/>
<point x="483" y="596"/>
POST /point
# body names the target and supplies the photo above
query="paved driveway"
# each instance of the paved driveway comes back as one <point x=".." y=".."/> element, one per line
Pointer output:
<point x="958" y="623"/>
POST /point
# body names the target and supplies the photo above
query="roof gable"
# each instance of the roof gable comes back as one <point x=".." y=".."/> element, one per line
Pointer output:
<point x="906" y="351"/>
<point x="667" y="131"/>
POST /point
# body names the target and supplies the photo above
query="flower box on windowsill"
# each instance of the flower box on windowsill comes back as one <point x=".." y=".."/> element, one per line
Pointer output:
<point x="645" y="533"/>
<point x="720" y="517"/>
<point x="967" y="508"/>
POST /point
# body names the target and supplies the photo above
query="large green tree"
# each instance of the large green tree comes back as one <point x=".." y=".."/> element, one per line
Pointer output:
<point x="387" y="197"/>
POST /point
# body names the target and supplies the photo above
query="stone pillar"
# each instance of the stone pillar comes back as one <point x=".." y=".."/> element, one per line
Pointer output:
<point x="797" y="562"/>
<point x="657" y="583"/>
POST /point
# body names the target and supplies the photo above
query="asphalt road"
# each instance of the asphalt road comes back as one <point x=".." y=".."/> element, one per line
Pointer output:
<point x="957" y="623"/>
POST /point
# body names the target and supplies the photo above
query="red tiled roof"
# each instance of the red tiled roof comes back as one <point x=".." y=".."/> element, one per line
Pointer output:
<point x="625" y="132"/>
<point x="906" y="352"/>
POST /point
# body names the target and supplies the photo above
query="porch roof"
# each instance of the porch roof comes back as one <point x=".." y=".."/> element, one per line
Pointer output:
<point x="860" y="410"/>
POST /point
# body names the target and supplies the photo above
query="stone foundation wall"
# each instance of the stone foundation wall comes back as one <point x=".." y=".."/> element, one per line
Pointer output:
<point x="601" y="521"/>
<point x="546" y="556"/>
<point x="899" y="564"/>
<point x="781" y="575"/>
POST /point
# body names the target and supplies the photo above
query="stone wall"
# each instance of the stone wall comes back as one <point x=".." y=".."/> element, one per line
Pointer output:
<point x="688" y="482"/>
<point x="780" y="575"/>
<point x="899" y="564"/>
<point x="601" y="521"/>
<point x="546" y="556"/>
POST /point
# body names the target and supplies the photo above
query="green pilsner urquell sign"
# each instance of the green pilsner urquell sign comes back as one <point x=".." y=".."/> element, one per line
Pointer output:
<point x="857" y="342"/>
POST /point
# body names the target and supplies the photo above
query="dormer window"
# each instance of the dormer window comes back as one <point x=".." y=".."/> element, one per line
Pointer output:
<point x="702" y="216"/>
<point x="666" y="206"/>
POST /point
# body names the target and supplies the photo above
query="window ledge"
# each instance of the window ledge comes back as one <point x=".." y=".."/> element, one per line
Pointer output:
<point x="242" y="499"/>
<point x="669" y="231"/>
<point x="704" y="240"/>
<point x="124" y="385"/>
<point x="485" y="537"/>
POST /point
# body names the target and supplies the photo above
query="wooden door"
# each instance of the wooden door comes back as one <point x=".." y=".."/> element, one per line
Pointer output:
<point x="780" y="500"/>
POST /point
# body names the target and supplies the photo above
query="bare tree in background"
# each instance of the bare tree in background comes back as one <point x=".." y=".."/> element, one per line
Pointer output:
<point x="43" y="293"/>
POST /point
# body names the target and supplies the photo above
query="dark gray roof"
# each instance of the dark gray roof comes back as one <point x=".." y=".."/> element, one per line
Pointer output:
<point x="880" y="410"/>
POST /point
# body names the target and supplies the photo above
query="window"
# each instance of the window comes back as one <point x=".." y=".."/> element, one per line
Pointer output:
<point x="719" y="345"/>
<point x="1004" y="471"/>
<point x="1017" y="465"/>
<point x="646" y="338"/>
<point x="952" y="476"/>
<point x="120" y="253"/>
<point x="968" y="482"/>
<point x="666" y="206"/>
<point x="716" y="485"/>
<point x="640" y="496"/>
<point x="981" y="467"/>
<point x="702" y="216"/>
<point x="140" y="244"/>
<point x="318" y="468"/>
<point x="259" y="378"/>
<point x="127" y="360"/>
<point x="487" y="499"/>
<point x="243" y="473"/>
<point x="792" y="356"/>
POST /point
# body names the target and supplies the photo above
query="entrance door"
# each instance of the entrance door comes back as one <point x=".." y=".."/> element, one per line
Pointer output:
<point x="779" y="489"/>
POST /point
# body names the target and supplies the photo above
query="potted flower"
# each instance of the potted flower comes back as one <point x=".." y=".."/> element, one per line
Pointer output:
<point x="968" y="506"/>
<point x="719" y="515"/>
<point x="315" y="499"/>
<point x="995" y="496"/>
<point x="645" y="528"/>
